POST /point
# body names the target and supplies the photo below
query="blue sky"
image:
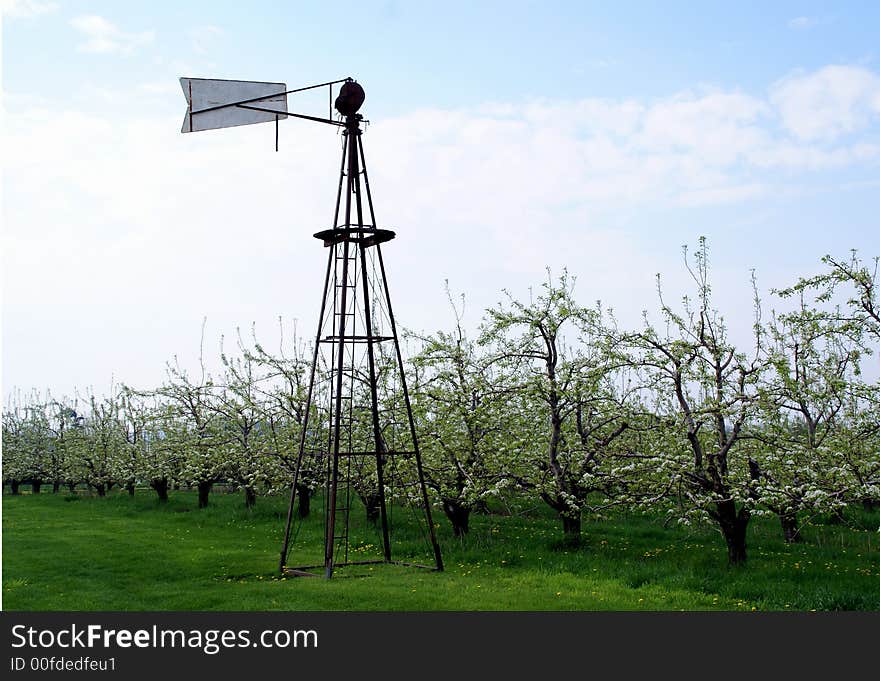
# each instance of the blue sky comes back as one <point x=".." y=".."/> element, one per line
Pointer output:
<point x="458" y="53"/>
<point x="600" y="137"/>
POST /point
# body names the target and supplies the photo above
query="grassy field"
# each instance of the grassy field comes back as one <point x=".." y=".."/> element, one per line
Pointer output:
<point x="121" y="553"/>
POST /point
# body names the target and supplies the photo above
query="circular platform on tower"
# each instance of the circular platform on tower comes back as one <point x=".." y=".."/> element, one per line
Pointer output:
<point x="366" y="237"/>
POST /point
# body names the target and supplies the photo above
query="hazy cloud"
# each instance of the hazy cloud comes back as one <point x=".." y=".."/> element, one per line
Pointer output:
<point x="203" y="37"/>
<point x="103" y="37"/>
<point x="146" y="230"/>
<point x="802" y="23"/>
<point x="26" y="8"/>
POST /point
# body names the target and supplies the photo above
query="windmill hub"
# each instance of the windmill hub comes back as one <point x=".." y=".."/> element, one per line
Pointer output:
<point x="351" y="98"/>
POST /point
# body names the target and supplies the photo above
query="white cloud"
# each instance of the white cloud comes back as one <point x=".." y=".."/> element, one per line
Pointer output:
<point x="802" y="23"/>
<point x="719" y="126"/>
<point x="825" y="104"/>
<point x="103" y="37"/>
<point x="26" y="8"/>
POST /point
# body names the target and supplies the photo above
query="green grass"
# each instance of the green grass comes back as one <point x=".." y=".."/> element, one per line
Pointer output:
<point x="121" y="553"/>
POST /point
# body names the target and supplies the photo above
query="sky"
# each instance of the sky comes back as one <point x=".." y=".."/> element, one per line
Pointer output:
<point x="504" y="138"/>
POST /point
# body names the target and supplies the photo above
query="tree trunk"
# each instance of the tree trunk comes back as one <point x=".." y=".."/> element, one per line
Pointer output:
<point x="13" y="484"/>
<point x="571" y="520"/>
<point x="250" y="497"/>
<point x="35" y="486"/>
<point x="459" y="515"/>
<point x="371" y="504"/>
<point x="56" y="485"/>
<point x="71" y="486"/>
<point x="733" y="526"/>
<point x="870" y="505"/>
<point x="571" y="527"/>
<point x="161" y="487"/>
<point x="100" y="489"/>
<point x="790" y="530"/>
<point x="129" y="486"/>
<point x="304" y="505"/>
<point x="204" y="491"/>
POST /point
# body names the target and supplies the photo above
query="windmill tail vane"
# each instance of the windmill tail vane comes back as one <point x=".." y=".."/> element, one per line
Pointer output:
<point x="214" y="103"/>
<point x="358" y="437"/>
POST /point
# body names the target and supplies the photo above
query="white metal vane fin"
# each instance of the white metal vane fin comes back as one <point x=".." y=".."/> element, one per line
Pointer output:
<point x="214" y="103"/>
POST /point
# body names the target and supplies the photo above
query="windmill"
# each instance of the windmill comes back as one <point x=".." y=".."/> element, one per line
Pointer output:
<point x="358" y="420"/>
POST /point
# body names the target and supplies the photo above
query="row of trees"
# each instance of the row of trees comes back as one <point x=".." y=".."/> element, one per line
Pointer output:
<point x="552" y="399"/>
<point x="241" y="429"/>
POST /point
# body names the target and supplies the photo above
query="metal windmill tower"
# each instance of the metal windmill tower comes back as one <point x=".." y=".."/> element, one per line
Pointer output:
<point x="358" y="419"/>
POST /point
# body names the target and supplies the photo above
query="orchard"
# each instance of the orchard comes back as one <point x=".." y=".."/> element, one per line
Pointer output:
<point x="549" y="403"/>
